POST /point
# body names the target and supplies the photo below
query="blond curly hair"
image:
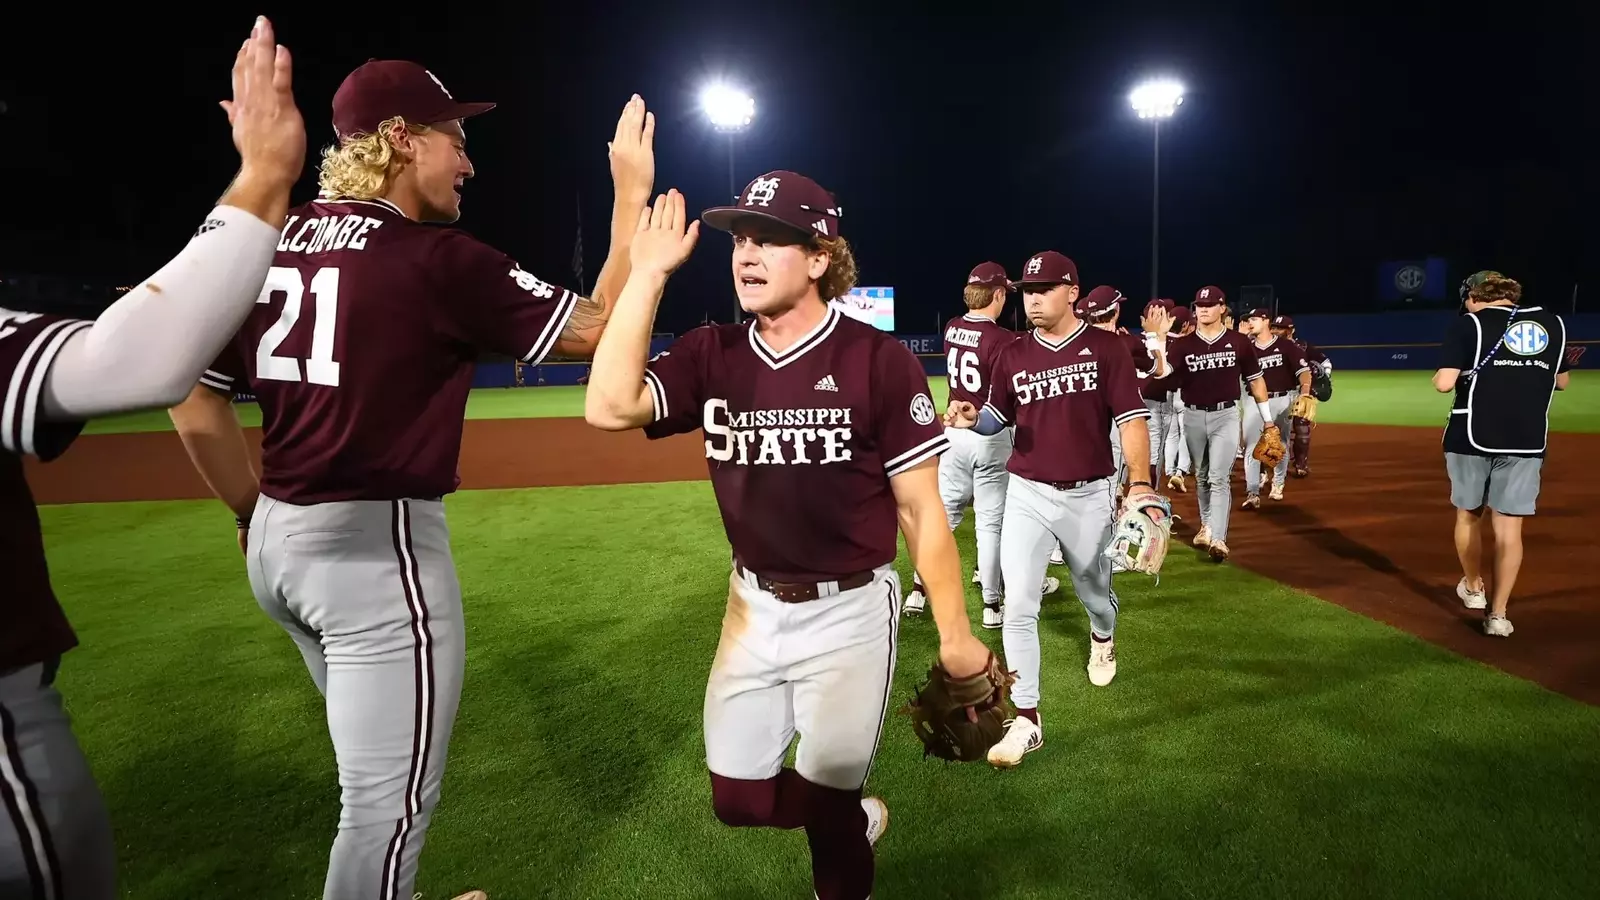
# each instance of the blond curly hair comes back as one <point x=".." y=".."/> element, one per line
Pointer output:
<point x="362" y="166"/>
<point x="841" y="273"/>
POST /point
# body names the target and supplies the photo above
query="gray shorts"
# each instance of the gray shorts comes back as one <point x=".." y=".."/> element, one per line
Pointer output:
<point x="1509" y="485"/>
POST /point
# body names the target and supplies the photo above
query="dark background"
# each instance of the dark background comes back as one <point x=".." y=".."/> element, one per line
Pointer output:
<point x="1309" y="149"/>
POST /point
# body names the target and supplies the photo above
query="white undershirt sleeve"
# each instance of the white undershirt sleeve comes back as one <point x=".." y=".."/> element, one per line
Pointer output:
<point x="148" y="349"/>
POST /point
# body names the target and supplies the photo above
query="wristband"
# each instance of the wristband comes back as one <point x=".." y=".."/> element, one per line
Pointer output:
<point x="1266" y="414"/>
<point x="1147" y="484"/>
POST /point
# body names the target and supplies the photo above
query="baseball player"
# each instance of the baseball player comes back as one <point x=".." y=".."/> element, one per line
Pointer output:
<point x="360" y="351"/>
<point x="1063" y="386"/>
<point x="1300" y="437"/>
<point x="820" y="437"/>
<point x="1285" y="373"/>
<point x="1209" y="364"/>
<point x="1100" y="307"/>
<point x="1175" y="450"/>
<point x="143" y="352"/>
<point x="973" y="470"/>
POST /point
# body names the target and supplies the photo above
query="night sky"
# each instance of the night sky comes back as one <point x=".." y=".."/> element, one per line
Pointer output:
<point x="1308" y="149"/>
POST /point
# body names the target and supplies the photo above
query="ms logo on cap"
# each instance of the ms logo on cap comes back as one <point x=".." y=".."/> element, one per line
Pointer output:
<point x="1034" y="265"/>
<point x="762" y="191"/>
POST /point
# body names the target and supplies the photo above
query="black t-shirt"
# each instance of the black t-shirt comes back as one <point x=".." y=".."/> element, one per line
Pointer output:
<point x="1503" y="410"/>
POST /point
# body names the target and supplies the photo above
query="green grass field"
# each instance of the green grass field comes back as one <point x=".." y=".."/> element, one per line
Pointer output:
<point x="1258" y="742"/>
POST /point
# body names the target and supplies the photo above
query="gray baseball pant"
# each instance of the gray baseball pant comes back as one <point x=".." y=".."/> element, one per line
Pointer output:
<point x="1279" y="408"/>
<point x="368" y="592"/>
<point x="1213" y="439"/>
<point x="55" y="836"/>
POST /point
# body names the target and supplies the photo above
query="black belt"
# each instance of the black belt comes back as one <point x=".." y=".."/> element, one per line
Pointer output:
<point x="804" y="591"/>
<point x="1215" y="407"/>
<point x="1072" y="485"/>
<point x="1273" y="394"/>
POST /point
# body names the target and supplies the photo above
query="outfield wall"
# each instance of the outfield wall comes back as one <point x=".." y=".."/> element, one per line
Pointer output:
<point x="1394" y="340"/>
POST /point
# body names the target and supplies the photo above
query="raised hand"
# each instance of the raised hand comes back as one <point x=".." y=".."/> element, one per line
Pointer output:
<point x="1156" y="320"/>
<point x="633" y="155"/>
<point x="961" y="414"/>
<point x="268" y="130"/>
<point x="662" y="243"/>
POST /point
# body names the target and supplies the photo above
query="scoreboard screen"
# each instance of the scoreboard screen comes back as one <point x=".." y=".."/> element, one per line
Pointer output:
<point x="872" y="305"/>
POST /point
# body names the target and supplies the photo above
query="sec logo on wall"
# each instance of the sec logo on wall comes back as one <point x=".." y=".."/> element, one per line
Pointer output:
<point x="1410" y="279"/>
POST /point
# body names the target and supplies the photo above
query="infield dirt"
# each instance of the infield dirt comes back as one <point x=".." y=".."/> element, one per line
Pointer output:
<point x="1370" y="529"/>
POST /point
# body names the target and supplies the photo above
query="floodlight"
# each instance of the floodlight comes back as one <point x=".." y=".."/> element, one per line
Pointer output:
<point x="1157" y="99"/>
<point x="728" y="108"/>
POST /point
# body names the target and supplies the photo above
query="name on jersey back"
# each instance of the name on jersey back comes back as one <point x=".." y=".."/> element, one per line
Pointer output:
<point x="319" y="234"/>
<point x="964" y="337"/>
<point x="781" y="436"/>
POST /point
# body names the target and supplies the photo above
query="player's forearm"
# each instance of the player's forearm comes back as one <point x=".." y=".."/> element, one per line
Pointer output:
<point x="988" y="423"/>
<point x="266" y="198"/>
<point x="1444" y="380"/>
<point x="1305" y="383"/>
<point x="1135" y="437"/>
<point x="149" y="347"/>
<point x="615" y="270"/>
<point x="211" y="434"/>
<point x="616" y="398"/>
<point x="935" y="559"/>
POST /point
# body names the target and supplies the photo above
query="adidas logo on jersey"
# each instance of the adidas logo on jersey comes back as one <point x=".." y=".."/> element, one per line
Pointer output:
<point x="1086" y="352"/>
<point x="827" y="384"/>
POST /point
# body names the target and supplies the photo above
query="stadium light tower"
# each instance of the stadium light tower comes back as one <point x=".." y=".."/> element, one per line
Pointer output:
<point x="730" y="110"/>
<point x="1156" y="99"/>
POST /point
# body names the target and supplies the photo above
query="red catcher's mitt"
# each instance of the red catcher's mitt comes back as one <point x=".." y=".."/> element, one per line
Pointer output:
<point x="959" y="719"/>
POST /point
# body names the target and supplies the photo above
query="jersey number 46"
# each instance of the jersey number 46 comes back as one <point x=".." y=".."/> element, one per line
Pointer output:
<point x="962" y="366"/>
<point x="320" y="366"/>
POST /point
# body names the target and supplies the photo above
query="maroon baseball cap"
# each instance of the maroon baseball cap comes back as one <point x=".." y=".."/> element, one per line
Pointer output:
<point x="1210" y="295"/>
<point x="1049" y="267"/>
<point x="381" y="89"/>
<point x="991" y="274"/>
<point x="1282" y="322"/>
<point x="1258" y="313"/>
<point x="787" y="198"/>
<point x="1099" y="300"/>
<point x="1180" y="315"/>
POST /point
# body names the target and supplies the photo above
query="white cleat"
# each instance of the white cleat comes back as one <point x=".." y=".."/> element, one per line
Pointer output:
<point x="1252" y="501"/>
<point x="1277" y="490"/>
<point x="976" y="579"/>
<point x="1056" y="559"/>
<point x="1202" y="538"/>
<point x="1176" y="483"/>
<point x="993" y="616"/>
<point x="1102" y="662"/>
<point x="1050" y="586"/>
<point x="1218" y="550"/>
<point x="915" y="603"/>
<point x="877" y="817"/>
<point x="1470" y="598"/>
<point x="1494" y="626"/>
<point x="1022" y="737"/>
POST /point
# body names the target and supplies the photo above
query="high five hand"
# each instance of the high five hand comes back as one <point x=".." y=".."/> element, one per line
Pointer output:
<point x="267" y="127"/>
<point x="632" y="153"/>
<point x="662" y="243"/>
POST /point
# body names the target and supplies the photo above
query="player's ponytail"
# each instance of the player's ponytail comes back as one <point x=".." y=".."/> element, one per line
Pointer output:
<point x="362" y="166"/>
<point x="841" y="273"/>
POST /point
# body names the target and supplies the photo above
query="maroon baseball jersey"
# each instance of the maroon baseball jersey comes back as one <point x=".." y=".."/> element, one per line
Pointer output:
<point x="362" y="346"/>
<point x="1313" y="355"/>
<point x="1281" y="362"/>
<point x="32" y="626"/>
<point x="801" y="444"/>
<point x="970" y="346"/>
<point x="1064" y="398"/>
<point x="1209" y="370"/>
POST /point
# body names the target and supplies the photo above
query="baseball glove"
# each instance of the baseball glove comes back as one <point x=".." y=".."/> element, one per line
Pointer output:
<point x="959" y="719"/>
<point x="1269" y="449"/>
<point x="1140" y="539"/>
<point x="1305" y="407"/>
<point x="1321" y="384"/>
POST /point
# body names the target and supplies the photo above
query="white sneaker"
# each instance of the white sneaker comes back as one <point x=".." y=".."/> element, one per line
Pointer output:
<point x="1251" y="501"/>
<point x="1202" y="538"/>
<point x="1056" y="559"/>
<point x="993" y="616"/>
<point x="1102" y="662"/>
<point x="915" y="603"/>
<point x="1494" y="626"/>
<point x="1051" y="585"/>
<point x="1177" y="483"/>
<point x="1022" y="737"/>
<point x="1470" y="598"/>
<point x="877" y="817"/>
<point x="1218" y="550"/>
<point x="1277" y="490"/>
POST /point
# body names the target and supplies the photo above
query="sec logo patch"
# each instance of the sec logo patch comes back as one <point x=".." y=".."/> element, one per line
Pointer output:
<point x="922" y="409"/>
<point x="1527" y="338"/>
